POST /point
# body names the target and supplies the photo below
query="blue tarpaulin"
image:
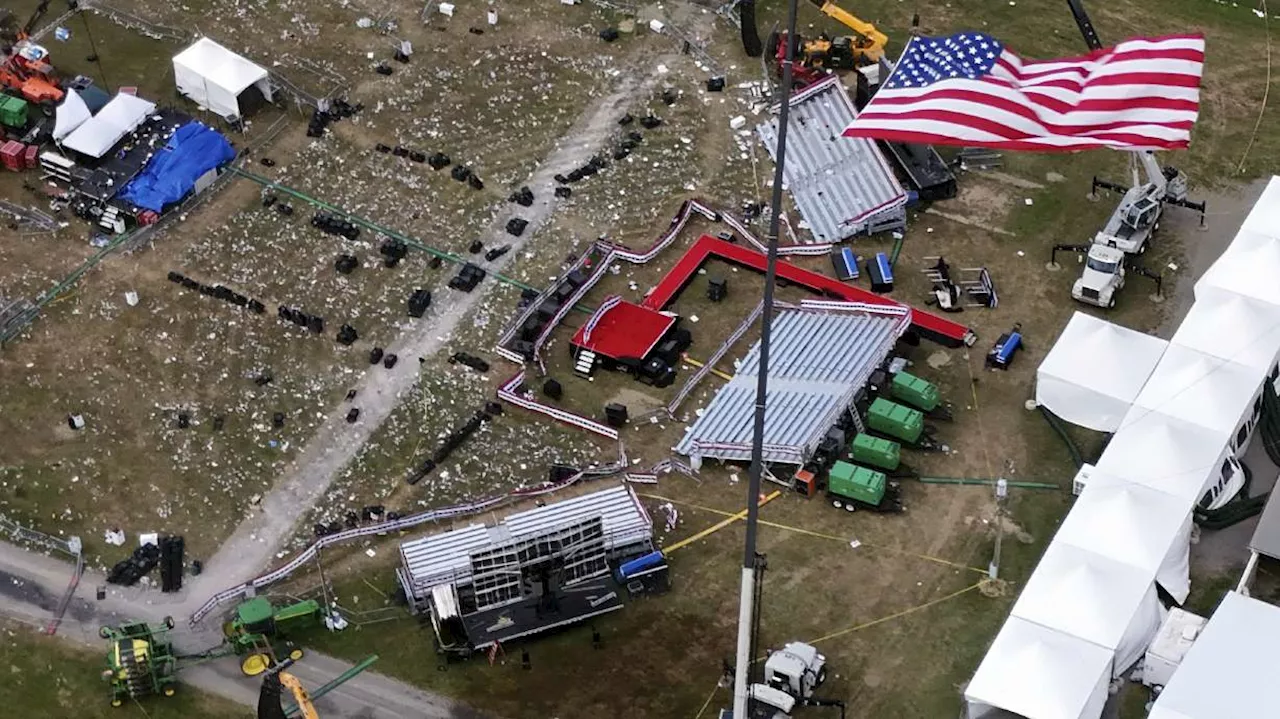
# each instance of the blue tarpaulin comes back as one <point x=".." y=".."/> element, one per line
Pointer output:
<point x="192" y="151"/>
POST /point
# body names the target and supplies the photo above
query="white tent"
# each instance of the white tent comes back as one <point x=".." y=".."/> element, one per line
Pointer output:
<point x="1196" y="387"/>
<point x="213" y="76"/>
<point x="1230" y="672"/>
<point x="1264" y="217"/>
<point x="1038" y="673"/>
<point x="1248" y="266"/>
<point x="1165" y="453"/>
<point x="97" y="135"/>
<point x="72" y="113"/>
<point x="1232" y="327"/>
<point x="1136" y="525"/>
<point x="1095" y="598"/>
<point x="1095" y="370"/>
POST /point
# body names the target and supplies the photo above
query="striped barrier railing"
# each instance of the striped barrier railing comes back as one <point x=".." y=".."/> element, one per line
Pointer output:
<point x="598" y="315"/>
<point x="401" y="524"/>
<point x="710" y="362"/>
<point x="507" y="392"/>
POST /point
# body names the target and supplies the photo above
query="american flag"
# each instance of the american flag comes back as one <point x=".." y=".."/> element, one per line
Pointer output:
<point x="968" y="89"/>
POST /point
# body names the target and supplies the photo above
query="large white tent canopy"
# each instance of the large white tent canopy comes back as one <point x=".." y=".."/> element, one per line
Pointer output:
<point x="1136" y="525"/>
<point x="1232" y="327"/>
<point x="1165" y="453"/>
<point x="1230" y="672"/>
<point x="72" y="113"/>
<point x="1095" y="371"/>
<point x="1196" y="387"/>
<point x="213" y="76"/>
<point x="1038" y="673"/>
<point x="1095" y="598"/>
<point x="97" y="135"/>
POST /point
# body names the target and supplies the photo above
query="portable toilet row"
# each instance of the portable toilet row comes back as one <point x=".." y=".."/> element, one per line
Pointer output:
<point x="16" y="156"/>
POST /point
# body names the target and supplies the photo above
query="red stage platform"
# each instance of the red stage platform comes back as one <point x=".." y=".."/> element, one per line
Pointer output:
<point x="928" y="325"/>
<point x="621" y="330"/>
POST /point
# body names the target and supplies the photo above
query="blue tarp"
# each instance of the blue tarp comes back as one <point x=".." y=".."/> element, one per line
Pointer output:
<point x="192" y="151"/>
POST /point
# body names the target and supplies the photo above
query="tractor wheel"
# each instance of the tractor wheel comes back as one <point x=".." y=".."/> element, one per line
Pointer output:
<point x="837" y="504"/>
<point x="117" y="702"/>
<point x="296" y="654"/>
<point x="822" y="677"/>
<point x="104" y="632"/>
<point x="849" y="507"/>
<point x="255" y="664"/>
<point x="169" y="690"/>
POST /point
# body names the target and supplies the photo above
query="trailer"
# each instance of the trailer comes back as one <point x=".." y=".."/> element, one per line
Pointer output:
<point x="850" y="487"/>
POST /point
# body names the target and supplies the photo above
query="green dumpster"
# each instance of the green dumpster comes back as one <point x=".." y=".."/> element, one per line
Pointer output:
<point x="876" y="452"/>
<point x="895" y="420"/>
<point x="916" y="392"/>
<point x="13" y="111"/>
<point x="850" y="482"/>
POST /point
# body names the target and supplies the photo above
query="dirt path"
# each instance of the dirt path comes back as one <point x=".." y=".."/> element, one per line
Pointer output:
<point x="259" y="537"/>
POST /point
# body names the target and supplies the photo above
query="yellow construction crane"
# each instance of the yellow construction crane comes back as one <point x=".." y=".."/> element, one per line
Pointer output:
<point x="816" y="57"/>
<point x="869" y="45"/>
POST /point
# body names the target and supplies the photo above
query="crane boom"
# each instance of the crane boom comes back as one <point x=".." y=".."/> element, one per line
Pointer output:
<point x="25" y="31"/>
<point x="874" y="40"/>
<point x="300" y="695"/>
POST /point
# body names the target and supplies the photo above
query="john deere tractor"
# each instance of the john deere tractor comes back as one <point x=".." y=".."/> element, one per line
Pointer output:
<point x="259" y="629"/>
<point x="140" y="661"/>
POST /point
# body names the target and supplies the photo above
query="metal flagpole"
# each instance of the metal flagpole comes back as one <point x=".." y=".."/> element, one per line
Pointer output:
<point x="746" y="608"/>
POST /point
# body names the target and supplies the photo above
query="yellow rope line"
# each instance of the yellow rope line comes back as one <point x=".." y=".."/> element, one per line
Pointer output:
<point x="896" y="615"/>
<point x="798" y="530"/>
<point x="732" y="517"/>
<point x="722" y="375"/>
<point x="707" y="703"/>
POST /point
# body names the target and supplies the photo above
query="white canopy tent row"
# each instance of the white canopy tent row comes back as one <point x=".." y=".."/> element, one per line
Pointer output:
<point x="1230" y="671"/>
<point x="96" y="136"/>
<point x="1172" y="455"/>
<point x="1095" y="370"/>
<point x="1219" y="395"/>
<point x="1035" y="672"/>
<point x="1232" y="327"/>
<point x="1134" y="524"/>
<point x="215" y="77"/>
<point x="1249" y="264"/>
<point x="1093" y="597"/>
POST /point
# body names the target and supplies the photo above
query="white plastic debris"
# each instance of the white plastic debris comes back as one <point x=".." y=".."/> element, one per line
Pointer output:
<point x="1029" y="201"/>
<point x="335" y="622"/>
<point x="1021" y="253"/>
<point x="149" y="538"/>
<point x="693" y="319"/>
<point x="492" y="15"/>
<point x="131" y="298"/>
<point x="656" y="25"/>
<point x="370" y="553"/>
<point x="568" y="2"/>
<point x="662" y="69"/>
<point x="364" y="22"/>
<point x="855" y="543"/>
<point x="114" y="537"/>
<point x="738" y="123"/>
<point x="446" y="8"/>
<point x="76" y="421"/>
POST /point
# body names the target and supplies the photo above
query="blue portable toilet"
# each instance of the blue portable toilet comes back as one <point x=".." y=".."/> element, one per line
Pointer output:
<point x="881" y="273"/>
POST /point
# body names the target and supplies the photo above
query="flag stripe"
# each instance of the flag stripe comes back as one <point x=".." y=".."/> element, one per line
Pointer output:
<point x="968" y="89"/>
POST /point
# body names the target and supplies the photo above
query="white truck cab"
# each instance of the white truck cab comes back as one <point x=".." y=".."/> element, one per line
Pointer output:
<point x="1102" y="278"/>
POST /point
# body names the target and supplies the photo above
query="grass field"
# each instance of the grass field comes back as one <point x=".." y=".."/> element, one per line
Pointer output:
<point x="903" y="644"/>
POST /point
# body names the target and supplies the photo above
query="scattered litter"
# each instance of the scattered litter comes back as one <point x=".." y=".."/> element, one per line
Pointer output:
<point x="149" y="538"/>
<point x="855" y="543"/>
<point x="1029" y="201"/>
<point x="75" y="421"/>
<point x="364" y="22"/>
<point x="446" y="9"/>
<point x="370" y="553"/>
<point x="114" y="537"/>
<point x="131" y="298"/>
<point x="1173" y="267"/>
<point x="656" y="26"/>
<point x="737" y="123"/>
<point x="1021" y="253"/>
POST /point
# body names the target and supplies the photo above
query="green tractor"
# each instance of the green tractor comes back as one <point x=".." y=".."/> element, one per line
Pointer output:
<point x="259" y="629"/>
<point x="140" y="661"/>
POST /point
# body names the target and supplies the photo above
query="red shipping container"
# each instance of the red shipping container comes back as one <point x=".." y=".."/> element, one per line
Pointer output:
<point x="11" y="155"/>
<point x="31" y="157"/>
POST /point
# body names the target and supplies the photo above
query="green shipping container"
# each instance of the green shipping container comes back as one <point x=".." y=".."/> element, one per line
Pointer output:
<point x="895" y="420"/>
<point x="857" y="483"/>
<point x="13" y="111"/>
<point x="876" y="452"/>
<point x="915" y="391"/>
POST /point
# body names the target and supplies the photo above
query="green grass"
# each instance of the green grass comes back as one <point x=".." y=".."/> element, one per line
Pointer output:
<point x="47" y="679"/>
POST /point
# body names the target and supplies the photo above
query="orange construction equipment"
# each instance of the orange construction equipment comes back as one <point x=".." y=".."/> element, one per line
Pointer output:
<point x="26" y="70"/>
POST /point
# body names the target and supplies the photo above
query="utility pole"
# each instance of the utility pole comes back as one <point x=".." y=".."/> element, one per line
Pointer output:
<point x="746" y="608"/>
<point x="1002" y="494"/>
